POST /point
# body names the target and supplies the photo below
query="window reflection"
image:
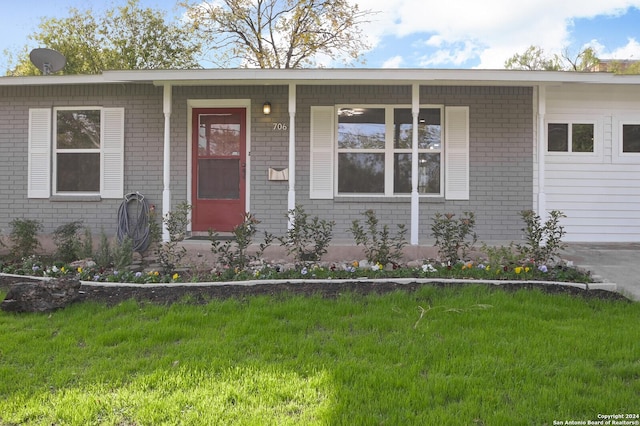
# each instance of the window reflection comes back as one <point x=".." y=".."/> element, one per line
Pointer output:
<point x="219" y="134"/>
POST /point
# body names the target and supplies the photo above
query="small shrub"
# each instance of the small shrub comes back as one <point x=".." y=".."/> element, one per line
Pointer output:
<point x="68" y="241"/>
<point x="543" y="241"/>
<point x="379" y="246"/>
<point x="234" y="254"/>
<point x="308" y="239"/>
<point x="123" y="254"/>
<point x="155" y="230"/>
<point x="498" y="257"/>
<point x="169" y="253"/>
<point x="103" y="256"/>
<point x="24" y="237"/>
<point x="454" y="237"/>
<point x="86" y="245"/>
<point x="177" y="221"/>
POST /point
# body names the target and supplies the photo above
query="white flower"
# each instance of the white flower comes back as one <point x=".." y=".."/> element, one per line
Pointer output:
<point x="428" y="268"/>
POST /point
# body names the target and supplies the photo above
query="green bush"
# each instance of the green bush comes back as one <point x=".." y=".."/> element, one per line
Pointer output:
<point x="234" y="254"/>
<point x="379" y="246"/>
<point x="169" y="253"/>
<point x="307" y="239"/>
<point x="454" y="237"/>
<point x="543" y="241"/>
<point x="103" y="256"/>
<point x="24" y="237"/>
<point x="68" y="241"/>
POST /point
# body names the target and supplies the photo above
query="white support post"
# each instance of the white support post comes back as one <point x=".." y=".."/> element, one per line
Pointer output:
<point x="291" y="198"/>
<point x="415" y="197"/>
<point x="542" y="107"/>
<point x="166" y="181"/>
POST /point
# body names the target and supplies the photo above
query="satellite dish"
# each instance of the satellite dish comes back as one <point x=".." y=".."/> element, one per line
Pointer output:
<point x="47" y="60"/>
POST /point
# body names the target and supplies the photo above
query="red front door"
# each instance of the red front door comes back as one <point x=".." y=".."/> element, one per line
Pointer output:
<point x="219" y="168"/>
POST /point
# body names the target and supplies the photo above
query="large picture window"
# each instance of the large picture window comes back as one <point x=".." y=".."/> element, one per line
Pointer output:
<point x="375" y="150"/>
<point x="77" y="151"/>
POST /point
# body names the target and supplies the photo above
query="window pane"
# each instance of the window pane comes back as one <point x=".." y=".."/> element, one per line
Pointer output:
<point x="631" y="138"/>
<point x="219" y="134"/>
<point x="78" y="172"/>
<point x="360" y="173"/>
<point x="428" y="173"/>
<point x="582" y="138"/>
<point x="429" y="128"/>
<point x="402" y="128"/>
<point x="78" y="129"/>
<point x="361" y="128"/>
<point x="402" y="173"/>
<point x="558" y="137"/>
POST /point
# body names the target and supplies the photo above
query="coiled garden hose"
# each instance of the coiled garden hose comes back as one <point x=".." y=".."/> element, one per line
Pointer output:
<point x="133" y="221"/>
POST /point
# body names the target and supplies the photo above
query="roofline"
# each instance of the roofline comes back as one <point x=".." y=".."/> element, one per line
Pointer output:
<point x="322" y="76"/>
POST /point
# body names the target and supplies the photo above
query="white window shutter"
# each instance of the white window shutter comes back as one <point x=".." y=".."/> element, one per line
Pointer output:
<point x="457" y="153"/>
<point x="322" y="158"/>
<point x="39" y="162"/>
<point x="112" y="163"/>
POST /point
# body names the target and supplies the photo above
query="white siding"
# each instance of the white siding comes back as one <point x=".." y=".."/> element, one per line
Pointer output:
<point x="599" y="195"/>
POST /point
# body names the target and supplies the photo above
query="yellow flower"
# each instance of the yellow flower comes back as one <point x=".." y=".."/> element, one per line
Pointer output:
<point x="175" y="276"/>
<point x="527" y="269"/>
<point x="355" y="264"/>
<point x="517" y="269"/>
<point x="79" y="269"/>
<point x="156" y="273"/>
<point x="63" y="270"/>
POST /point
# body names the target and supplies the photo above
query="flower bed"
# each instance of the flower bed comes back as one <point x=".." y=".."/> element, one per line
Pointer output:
<point x="87" y="271"/>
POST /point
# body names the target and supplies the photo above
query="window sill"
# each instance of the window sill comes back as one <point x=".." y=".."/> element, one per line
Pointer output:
<point x="75" y="198"/>
<point x="382" y="199"/>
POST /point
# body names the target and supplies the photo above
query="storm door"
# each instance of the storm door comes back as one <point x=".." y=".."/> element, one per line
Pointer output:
<point x="219" y="168"/>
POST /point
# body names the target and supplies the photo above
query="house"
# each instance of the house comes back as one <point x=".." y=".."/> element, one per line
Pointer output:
<point x="337" y="141"/>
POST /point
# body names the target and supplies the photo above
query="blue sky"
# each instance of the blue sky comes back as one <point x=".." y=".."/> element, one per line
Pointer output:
<point x="422" y="33"/>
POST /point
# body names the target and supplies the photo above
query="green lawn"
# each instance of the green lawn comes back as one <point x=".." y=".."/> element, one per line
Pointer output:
<point x="472" y="355"/>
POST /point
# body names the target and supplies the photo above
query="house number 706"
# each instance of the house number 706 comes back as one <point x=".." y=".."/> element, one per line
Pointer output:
<point x="279" y="126"/>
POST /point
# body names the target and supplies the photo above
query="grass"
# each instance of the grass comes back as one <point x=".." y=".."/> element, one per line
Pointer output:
<point x="469" y="355"/>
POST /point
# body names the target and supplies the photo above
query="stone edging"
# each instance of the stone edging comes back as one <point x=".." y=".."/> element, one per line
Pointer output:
<point x="400" y="281"/>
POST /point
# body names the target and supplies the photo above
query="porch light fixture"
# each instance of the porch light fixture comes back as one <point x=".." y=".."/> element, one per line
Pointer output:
<point x="266" y="108"/>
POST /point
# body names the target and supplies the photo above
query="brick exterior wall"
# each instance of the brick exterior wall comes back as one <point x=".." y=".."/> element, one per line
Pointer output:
<point x="143" y="159"/>
<point x="501" y="158"/>
<point x="501" y="153"/>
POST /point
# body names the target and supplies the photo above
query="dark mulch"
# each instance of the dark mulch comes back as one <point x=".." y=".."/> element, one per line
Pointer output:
<point x="113" y="294"/>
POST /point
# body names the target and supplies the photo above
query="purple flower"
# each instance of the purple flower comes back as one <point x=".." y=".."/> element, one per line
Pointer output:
<point x="304" y="271"/>
<point x="543" y="269"/>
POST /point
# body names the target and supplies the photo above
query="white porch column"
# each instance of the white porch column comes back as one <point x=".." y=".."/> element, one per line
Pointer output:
<point x="166" y="165"/>
<point x="415" y="197"/>
<point x="542" y="108"/>
<point x="291" y="199"/>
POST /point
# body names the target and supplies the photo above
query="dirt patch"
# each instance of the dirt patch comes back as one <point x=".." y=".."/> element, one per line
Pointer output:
<point x="198" y="294"/>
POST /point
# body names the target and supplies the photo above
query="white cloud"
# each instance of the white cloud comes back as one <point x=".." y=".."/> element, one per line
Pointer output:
<point x="393" y="62"/>
<point x="490" y="31"/>
<point x="629" y="51"/>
